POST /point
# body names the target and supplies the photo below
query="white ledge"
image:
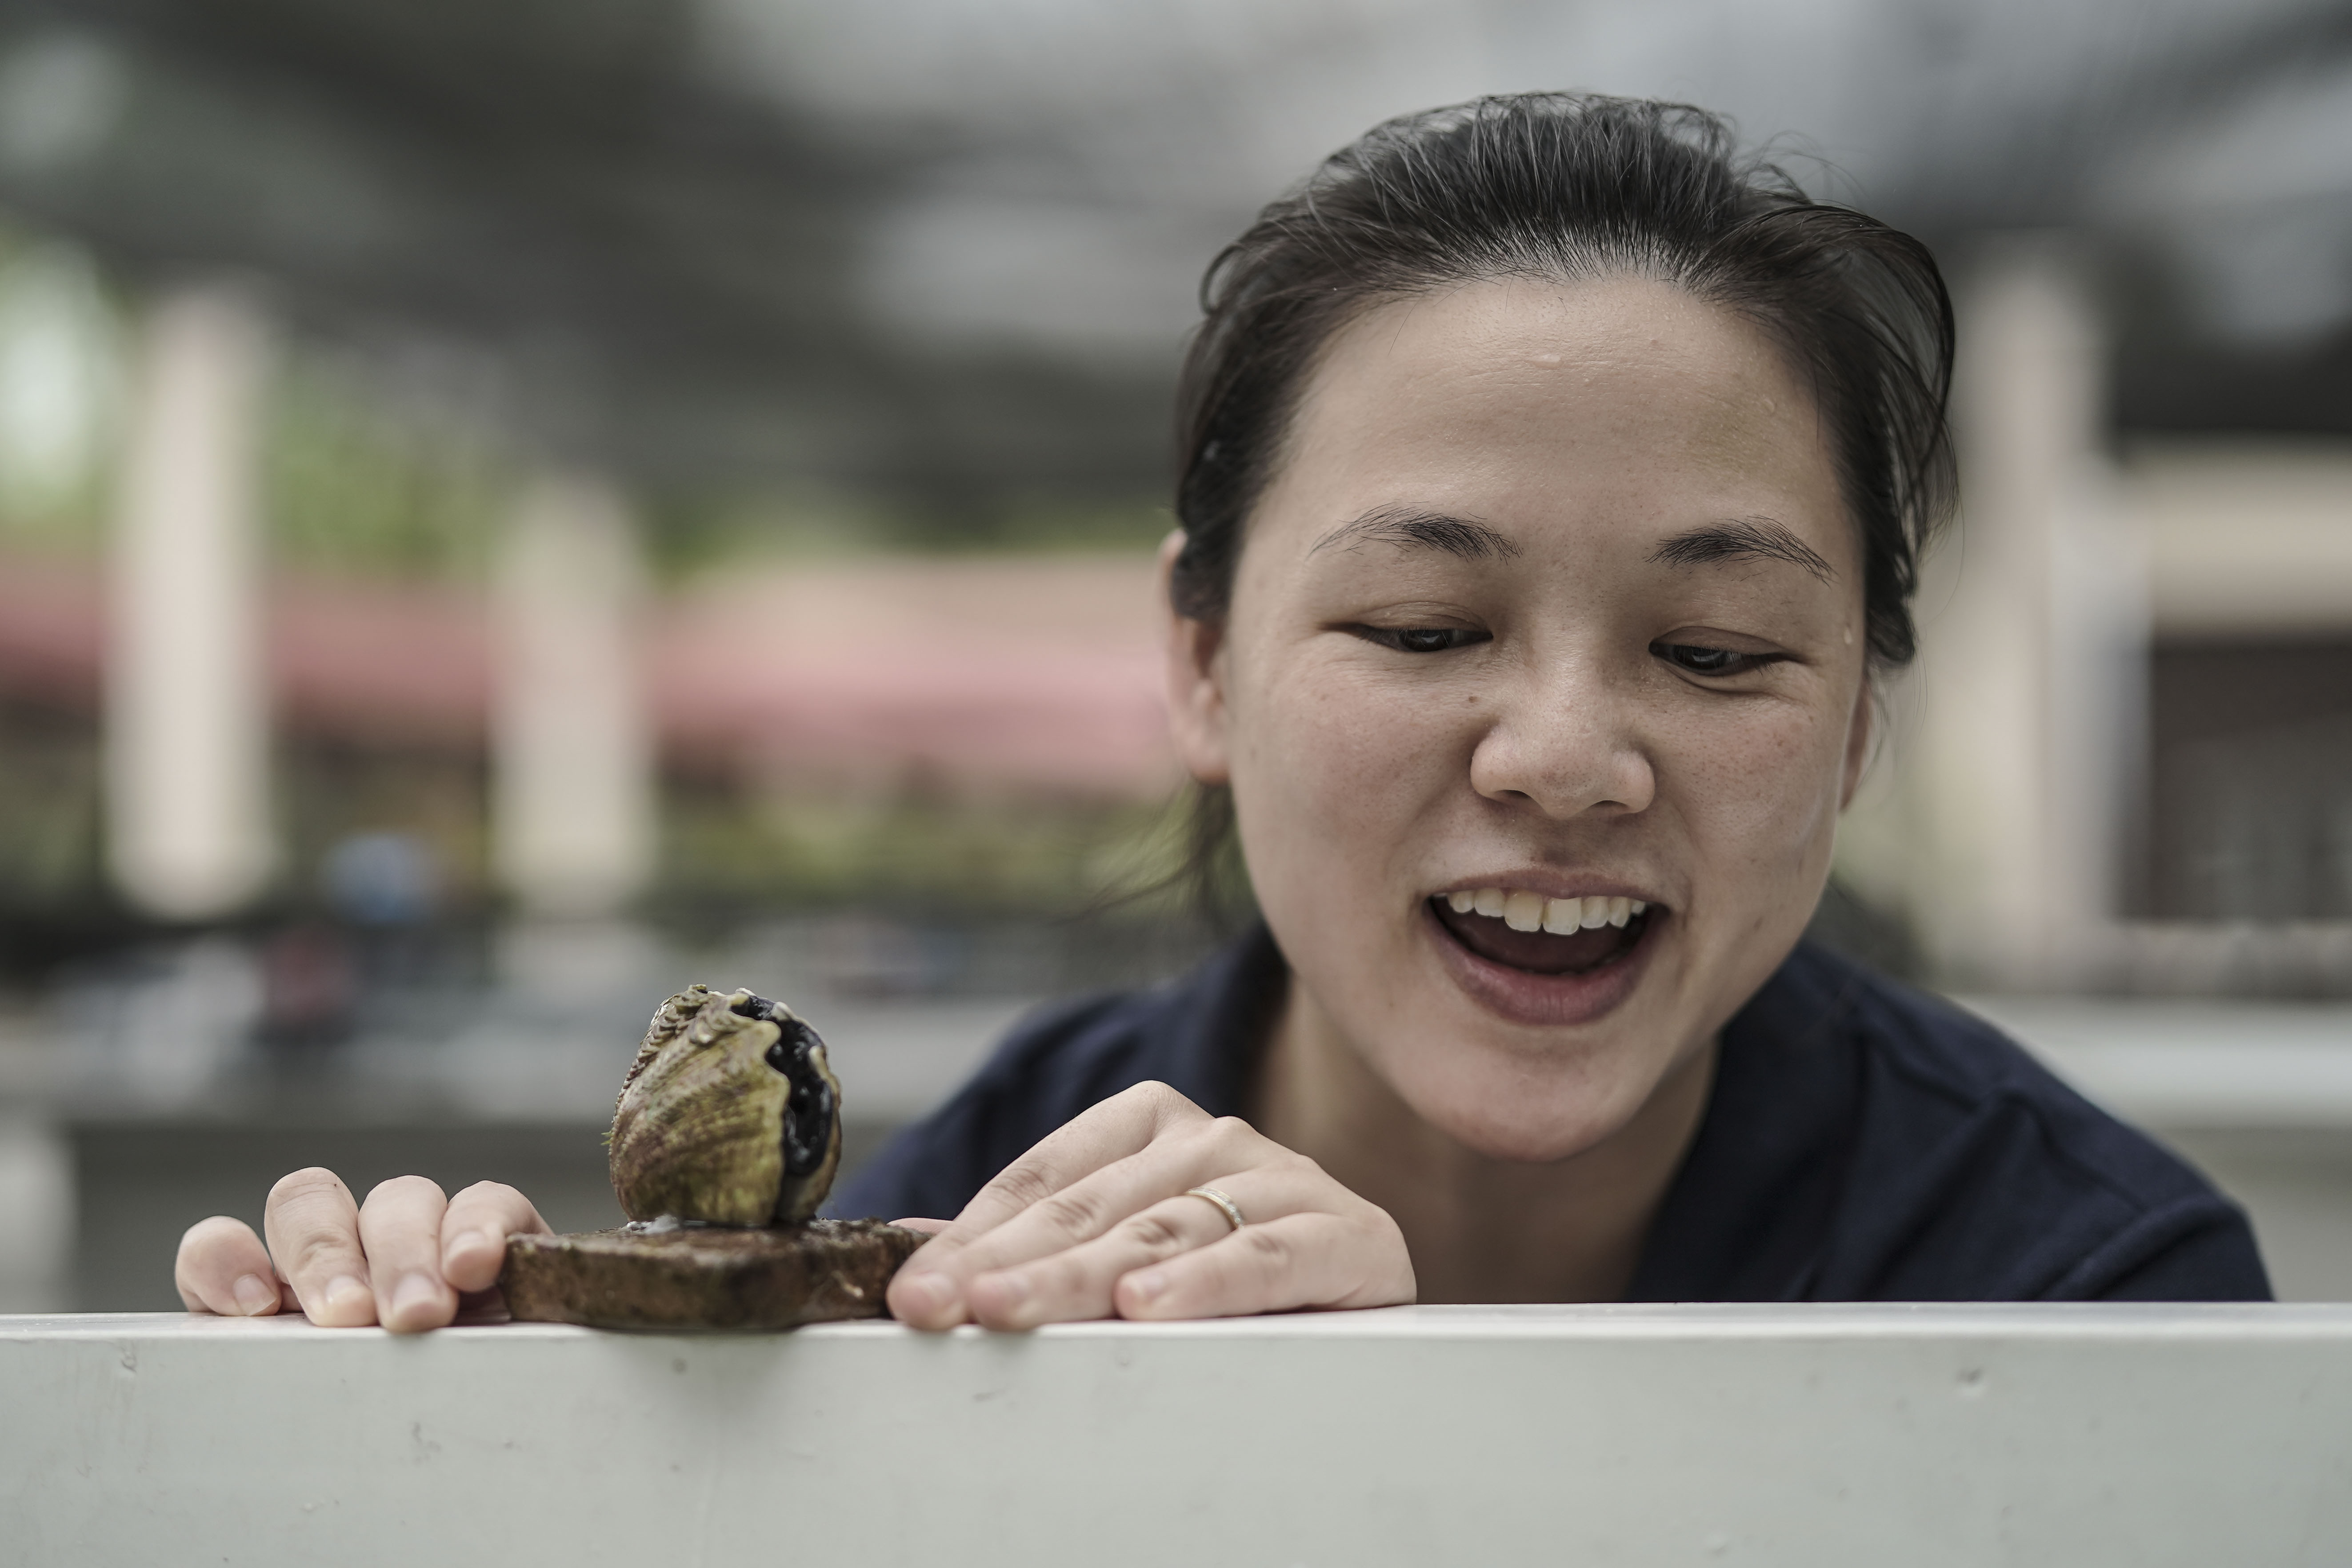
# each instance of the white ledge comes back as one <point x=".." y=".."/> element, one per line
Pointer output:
<point x="1711" y="1321"/>
<point x="1822" y="1435"/>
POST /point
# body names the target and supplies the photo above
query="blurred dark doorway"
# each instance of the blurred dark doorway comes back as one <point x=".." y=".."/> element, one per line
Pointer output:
<point x="2250" y="798"/>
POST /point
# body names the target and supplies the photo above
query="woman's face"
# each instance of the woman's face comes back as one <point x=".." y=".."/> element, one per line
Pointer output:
<point x="1554" y="597"/>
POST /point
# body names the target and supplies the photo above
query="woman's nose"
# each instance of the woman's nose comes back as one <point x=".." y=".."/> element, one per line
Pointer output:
<point x="1568" y="740"/>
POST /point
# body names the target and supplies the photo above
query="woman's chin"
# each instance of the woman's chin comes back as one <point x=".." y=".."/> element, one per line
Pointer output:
<point x="1537" y="999"/>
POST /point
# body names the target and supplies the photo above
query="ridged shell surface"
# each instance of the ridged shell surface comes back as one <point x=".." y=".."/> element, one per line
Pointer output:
<point x="730" y="1115"/>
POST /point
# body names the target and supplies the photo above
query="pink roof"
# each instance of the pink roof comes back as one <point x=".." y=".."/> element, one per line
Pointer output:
<point x="1034" y="675"/>
<point x="1041" y="674"/>
<point x="52" y="633"/>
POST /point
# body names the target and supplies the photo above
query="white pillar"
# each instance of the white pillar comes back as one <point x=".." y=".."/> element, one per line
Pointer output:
<point x="186" y="727"/>
<point x="2033" y="638"/>
<point x="573" y="813"/>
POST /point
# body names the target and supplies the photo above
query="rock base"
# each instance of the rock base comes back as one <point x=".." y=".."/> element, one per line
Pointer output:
<point x="777" y="1277"/>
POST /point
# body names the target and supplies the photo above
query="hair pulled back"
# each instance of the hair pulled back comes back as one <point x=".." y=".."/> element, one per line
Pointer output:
<point x="1568" y="187"/>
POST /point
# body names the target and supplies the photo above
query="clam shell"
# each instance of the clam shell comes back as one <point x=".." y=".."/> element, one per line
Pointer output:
<point x="730" y="1115"/>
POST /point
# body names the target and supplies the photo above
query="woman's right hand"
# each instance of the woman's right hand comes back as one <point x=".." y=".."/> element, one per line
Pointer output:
<point x="404" y="1258"/>
<point x="1105" y="1217"/>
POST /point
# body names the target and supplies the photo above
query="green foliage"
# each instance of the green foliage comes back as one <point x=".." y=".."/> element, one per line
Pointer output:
<point x="352" y="487"/>
<point x="60" y="385"/>
<point x="1043" y="524"/>
<point x="689" y="534"/>
<point x="908" y="851"/>
<point x="49" y="812"/>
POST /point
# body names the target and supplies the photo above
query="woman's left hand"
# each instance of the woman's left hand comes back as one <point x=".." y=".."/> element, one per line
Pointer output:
<point x="1096" y="1221"/>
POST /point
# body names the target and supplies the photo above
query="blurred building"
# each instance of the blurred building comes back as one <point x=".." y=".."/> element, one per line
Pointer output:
<point x="709" y="261"/>
<point x="496" y="499"/>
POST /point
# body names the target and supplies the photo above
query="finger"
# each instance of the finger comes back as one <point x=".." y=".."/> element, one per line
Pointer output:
<point x="1076" y="1285"/>
<point x="928" y="1226"/>
<point x="222" y="1268"/>
<point x="928" y="1291"/>
<point x="1207" y="1152"/>
<point x="1127" y="1123"/>
<point x="473" y="1231"/>
<point x="400" y="1225"/>
<point x="938" y="1280"/>
<point x="313" y="1228"/>
<point x="1300" y="1260"/>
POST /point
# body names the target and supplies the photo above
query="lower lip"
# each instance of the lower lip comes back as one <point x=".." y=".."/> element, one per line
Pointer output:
<point x="1547" y="1001"/>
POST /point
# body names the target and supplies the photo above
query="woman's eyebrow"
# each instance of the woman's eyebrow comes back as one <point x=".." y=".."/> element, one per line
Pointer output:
<point x="1399" y="525"/>
<point x="1741" y="538"/>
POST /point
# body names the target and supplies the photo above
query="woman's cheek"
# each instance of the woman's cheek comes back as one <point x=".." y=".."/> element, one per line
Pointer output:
<point x="1763" y="801"/>
<point x="1338" y="770"/>
<point x="1346" y="731"/>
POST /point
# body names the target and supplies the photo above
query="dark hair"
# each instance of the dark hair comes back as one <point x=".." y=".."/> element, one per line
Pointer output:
<point x="1568" y="187"/>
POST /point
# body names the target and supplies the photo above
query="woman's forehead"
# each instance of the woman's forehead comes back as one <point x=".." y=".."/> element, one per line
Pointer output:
<point x="1555" y="339"/>
<point x="1526" y="403"/>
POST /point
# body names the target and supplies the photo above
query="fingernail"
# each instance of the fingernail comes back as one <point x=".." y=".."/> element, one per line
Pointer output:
<point x="415" y="1292"/>
<point x="343" y="1294"/>
<point x="931" y="1294"/>
<point x="466" y="1242"/>
<point x="1146" y="1283"/>
<point x="253" y="1296"/>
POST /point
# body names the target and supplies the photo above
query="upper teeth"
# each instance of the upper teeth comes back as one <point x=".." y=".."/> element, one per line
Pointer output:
<point x="1523" y="911"/>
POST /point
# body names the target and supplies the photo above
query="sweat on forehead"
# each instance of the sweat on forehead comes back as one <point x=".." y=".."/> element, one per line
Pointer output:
<point x="1477" y="425"/>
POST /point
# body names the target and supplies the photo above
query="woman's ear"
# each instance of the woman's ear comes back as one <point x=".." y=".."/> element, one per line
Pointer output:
<point x="1194" y="673"/>
<point x="1861" y="725"/>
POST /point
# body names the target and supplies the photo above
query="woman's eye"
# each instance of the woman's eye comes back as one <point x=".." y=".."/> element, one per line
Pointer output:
<point x="1708" y="660"/>
<point x="1419" y="639"/>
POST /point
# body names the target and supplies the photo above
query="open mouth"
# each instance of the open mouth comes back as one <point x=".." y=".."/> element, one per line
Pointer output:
<point x="1537" y="935"/>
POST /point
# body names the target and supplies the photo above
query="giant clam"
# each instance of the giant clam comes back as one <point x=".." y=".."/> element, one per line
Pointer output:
<point x="730" y="1115"/>
<point x="724" y="1142"/>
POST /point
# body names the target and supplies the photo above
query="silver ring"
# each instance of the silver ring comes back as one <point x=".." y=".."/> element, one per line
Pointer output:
<point x="1226" y="1205"/>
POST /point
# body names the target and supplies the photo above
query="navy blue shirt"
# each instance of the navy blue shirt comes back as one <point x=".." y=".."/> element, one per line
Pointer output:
<point x="1862" y="1141"/>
